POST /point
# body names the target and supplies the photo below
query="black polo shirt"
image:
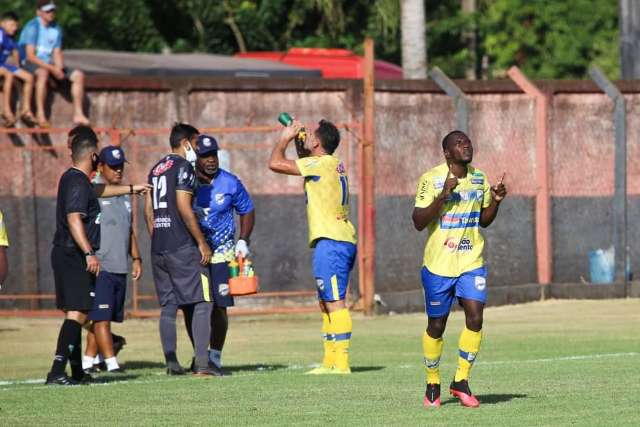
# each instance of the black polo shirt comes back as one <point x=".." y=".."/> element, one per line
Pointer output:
<point x="75" y="195"/>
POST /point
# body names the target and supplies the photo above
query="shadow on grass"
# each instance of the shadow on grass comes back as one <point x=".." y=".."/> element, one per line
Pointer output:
<point x="366" y="368"/>
<point x="489" y="399"/>
<point x="258" y="367"/>
<point x="114" y="378"/>
<point x="132" y="365"/>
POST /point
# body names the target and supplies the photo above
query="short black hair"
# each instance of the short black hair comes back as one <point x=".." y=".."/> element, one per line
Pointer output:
<point x="181" y="131"/>
<point x="451" y="137"/>
<point x="80" y="130"/>
<point x="10" y="15"/>
<point x="328" y="135"/>
<point x="81" y="143"/>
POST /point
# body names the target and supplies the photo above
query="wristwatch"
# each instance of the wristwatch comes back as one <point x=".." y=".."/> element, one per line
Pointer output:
<point x="90" y="253"/>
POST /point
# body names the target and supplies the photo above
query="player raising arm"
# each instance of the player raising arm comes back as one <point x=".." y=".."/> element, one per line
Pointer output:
<point x="453" y="200"/>
<point x="331" y="234"/>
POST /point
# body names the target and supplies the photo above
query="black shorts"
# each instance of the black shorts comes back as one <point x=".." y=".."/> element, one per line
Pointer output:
<point x="219" y="274"/>
<point x="111" y="290"/>
<point x="75" y="286"/>
<point x="180" y="278"/>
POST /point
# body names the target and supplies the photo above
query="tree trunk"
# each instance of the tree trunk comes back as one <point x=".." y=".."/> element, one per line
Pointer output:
<point x="473" y="70"/>
<point x="629" y="39"/>
<point x="414" y="39"/>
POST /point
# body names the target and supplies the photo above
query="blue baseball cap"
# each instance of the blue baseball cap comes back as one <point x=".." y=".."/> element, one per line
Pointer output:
<point x="112" y="156"/>
<point x="206" y="144"/>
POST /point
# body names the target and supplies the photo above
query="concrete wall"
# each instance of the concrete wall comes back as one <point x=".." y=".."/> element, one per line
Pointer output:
<point x="411" y="118"/>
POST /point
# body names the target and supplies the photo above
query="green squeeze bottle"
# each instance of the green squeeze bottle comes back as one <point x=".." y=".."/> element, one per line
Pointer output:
<point x="285" y="119"/>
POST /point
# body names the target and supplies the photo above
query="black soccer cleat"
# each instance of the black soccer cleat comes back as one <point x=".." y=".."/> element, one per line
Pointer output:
<point x="174" y="368"/>
<point x="432" y="396"/>
<point x="59" y="379"/>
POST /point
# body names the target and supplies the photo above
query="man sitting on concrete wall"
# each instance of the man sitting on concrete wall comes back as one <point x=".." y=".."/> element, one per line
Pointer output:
<point x="40" y="47"/>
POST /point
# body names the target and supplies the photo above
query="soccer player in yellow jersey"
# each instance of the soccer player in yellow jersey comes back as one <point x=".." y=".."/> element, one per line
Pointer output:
<point x="454" y="199"/>
<point x="331" y="234"/>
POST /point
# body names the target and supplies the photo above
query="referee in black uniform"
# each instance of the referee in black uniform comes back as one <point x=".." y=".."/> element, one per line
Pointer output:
<point x="73" y="257"/>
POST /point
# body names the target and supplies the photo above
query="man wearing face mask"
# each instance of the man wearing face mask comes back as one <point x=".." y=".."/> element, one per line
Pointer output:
<point x="180" y="254"/>
<point x="73" y="258"/>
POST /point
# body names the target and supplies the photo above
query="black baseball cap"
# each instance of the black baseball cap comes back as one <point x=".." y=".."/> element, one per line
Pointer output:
<point x="112" y="156"/>
<point x="206" y="144"/>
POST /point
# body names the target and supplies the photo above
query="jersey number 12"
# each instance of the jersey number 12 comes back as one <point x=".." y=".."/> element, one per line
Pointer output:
<point x="159" y="192"/>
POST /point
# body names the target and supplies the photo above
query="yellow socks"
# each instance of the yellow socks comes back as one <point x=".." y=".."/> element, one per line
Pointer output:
<point x="432" y="348"/>
<point x="468" y="347"/>
<point x="341" y="326"/>
<point x="329" y="344"/>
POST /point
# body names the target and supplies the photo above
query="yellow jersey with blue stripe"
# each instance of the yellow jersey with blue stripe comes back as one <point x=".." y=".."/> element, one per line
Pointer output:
<point x="326" y="189"/>
<point x="4" y="239"/>
<point x="454" y="245"/>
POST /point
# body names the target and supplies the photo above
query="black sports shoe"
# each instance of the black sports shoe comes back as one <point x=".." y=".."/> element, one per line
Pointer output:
<point x="174" y="368"/>
<point x="432" y="396"/>
<point x="118" y="342"/>
<point x="59" y="379"/>
<point x="91" y="370"/>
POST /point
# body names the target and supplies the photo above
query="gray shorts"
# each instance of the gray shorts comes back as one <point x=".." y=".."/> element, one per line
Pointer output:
<point x="180" y="278"/>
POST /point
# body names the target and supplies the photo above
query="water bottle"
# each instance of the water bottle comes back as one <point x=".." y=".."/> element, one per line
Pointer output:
<point x="285" y="119"/>
<point x="234" y="268"/>
<point x="247" y="268"/>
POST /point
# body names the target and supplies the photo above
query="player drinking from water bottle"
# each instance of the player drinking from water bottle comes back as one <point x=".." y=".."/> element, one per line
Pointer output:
<point x="331" y="234"/>
<point x="453" y="200"/>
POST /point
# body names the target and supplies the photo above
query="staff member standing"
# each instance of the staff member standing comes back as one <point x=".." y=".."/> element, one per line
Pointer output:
<point x="4" y="244"/>
<point x="117" y="243"/>
<point x="219" y="194"/>
<point x="74" y="260"/>
<point x="179" y="252"/>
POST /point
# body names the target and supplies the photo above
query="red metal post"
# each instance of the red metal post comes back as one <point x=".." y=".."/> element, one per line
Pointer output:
<point x="543" y="196"/>
<point x="368" y="238"/>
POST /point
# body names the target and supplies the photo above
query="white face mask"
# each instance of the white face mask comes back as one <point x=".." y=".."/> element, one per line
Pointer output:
<point x="190" y="155"/>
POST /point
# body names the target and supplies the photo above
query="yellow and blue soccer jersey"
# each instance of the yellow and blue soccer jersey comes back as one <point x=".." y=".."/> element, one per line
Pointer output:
<point x="454" y="245"/>
<point x="327" y="197"/>
<point x="4" y="240"/>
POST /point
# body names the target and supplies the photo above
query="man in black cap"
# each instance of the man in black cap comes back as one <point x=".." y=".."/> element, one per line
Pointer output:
<point x="74" y="260"/>
<point x="118" y="243"/>
<point x="218" y="196"/>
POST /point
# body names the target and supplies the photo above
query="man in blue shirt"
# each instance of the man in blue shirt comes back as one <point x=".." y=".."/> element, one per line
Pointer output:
<point x="218" y="195"/>
<point x="8" y="50"/>
<point x="40" y="47"/>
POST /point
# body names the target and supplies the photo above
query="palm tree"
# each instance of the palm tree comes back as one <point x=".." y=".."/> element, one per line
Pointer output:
<point x="414" y="39"/>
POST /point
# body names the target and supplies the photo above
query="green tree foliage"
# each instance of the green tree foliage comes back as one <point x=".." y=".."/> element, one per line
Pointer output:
<point x="547" y="39"/>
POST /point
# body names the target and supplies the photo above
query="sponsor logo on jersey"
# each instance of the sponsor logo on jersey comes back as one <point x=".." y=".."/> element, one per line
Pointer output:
<point x="453" y="245"/>
<point x="340" y="169"/>
<point x="219" y="198"/>
<point x="162" y="222"/>
<point x="223" y="289"/>
<point x="477" y="181"/>
<point x="103" y="306"/>
<point x="434" y="303"/>
<point x="162" y="167"/>
<point x="438" y="183"/>
<point x="423" y="189"/>
<point x="320" y="284"/>
<point x="480" y="283"/>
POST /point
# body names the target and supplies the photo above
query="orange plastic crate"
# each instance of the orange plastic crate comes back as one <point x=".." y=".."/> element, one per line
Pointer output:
<point x="243" y="285"/>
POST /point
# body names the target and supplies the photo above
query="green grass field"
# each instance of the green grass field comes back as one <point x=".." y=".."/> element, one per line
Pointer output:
<point x="553" y="363"/>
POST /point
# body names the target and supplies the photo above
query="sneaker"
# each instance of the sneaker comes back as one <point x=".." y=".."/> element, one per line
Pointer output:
<point x="59" y="379"/>
<point x="118" y="370"/>
<point x="461" y="390"/>
<point x="82" y="379"/>
<point x="208" y="371"/>
<point x="91" y="370"/>
<point x="118" y="343"/>
<point x="337" y="371"/>
<point x="432" y="396"/>
<point x="174" y="368"/>
<point x="320" y="370"/>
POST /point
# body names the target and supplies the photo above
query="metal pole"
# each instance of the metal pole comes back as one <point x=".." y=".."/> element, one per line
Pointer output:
<point x="459" y="99"/>
<point x="543" y="196"/>
<point x="369" y="203"/>
<point x="620" y="186"/>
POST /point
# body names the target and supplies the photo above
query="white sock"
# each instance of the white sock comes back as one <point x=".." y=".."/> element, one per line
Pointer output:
<point x="87" y="362"/>
<point x="98" y="359"/>
<point x="112" y="363"/>
<point x="215" y="356"/>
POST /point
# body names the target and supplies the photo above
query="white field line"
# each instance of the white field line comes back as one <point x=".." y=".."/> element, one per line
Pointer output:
<point x="297" y="367"/>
